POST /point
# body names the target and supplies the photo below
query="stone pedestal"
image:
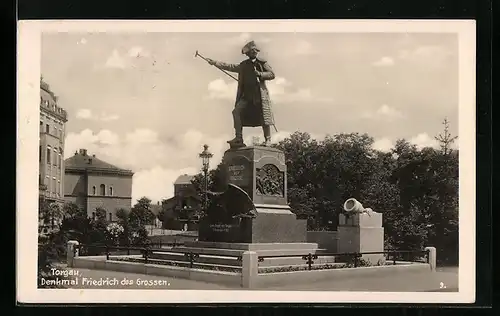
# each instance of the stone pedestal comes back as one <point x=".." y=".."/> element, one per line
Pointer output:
<point x="362" y="233"/>
<point x="261" y="173"/>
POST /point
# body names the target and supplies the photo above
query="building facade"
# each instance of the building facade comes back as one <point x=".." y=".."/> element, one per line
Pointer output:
<point x="92" y="183"/>
<point x="181" y="210"/>
<point x="51" y="152"/>
<point x="50" y="160"/>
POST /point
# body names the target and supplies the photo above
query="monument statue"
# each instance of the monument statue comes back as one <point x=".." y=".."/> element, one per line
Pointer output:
<point x="253" y="104"/>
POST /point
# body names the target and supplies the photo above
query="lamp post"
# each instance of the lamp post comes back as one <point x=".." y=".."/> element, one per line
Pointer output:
<point x="205" y="156"/>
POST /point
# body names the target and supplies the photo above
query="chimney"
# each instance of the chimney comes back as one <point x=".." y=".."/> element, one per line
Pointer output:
<point x="83" y="152"/>
<point x="93" y="155"/>
<point x="90" y="161"/>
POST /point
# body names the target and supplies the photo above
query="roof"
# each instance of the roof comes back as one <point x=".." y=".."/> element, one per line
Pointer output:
<point x="156" y="209"/>
<point x="81" y="161"/>
<point x="48" y="102"/>
<point x="184" y="179"/>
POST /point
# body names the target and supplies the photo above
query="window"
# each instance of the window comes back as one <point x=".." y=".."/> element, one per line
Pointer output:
<point x="93" y="216"/>
<point x="103" y="189"/>
<point x="41" y="126"/>
<point x="59" y="189"/>
<point x="110" y="217"/>
<point x="48" y="155"/>
<point x="111" y="191"/>
<point x="54" y="162"/>
<point x="40" y="154"/>
<point x="47" y="128"/>
<point x="93" y="190"/>
<point x="60" y="160"/>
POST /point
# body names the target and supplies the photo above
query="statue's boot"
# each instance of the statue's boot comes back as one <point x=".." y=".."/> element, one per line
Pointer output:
<point x="238" y="139"/>
<point x="267" y="135"/>
<point x="267" y="142"/>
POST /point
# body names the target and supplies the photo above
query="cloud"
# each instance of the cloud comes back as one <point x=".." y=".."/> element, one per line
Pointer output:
<point x="303" y="47"/>
<point x="82" y="41"/>
<point x="280" y="90"/>
<point x="428" y="55"/>
<point x="156" y="161"/>
<point x="138" y="51"/>
<point x="383" y="144"/>
<point x="111" y="117"/>
<point x="383" y="62"/>
<point x="243" y="38"/>
<point x="219" y="89"/>
<point x="423" y="140"/>
<point x="86" y="114"/>
<point x="388" y="111"/>
<point x="116" y="61"/>
<point x="384" y="112"/>
<point x="157" y="182"/>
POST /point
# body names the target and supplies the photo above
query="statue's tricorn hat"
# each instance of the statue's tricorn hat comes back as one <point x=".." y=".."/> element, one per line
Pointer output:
<point x="249" y="46"/>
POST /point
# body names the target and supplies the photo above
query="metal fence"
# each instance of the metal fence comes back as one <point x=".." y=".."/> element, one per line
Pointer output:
<point x="353" y="259"/>
<point x="104" y="249"/>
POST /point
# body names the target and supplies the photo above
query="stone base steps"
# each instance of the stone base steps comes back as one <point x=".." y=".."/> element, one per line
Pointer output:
<point x="311" y="247"/>
<point x="224" y="252"/>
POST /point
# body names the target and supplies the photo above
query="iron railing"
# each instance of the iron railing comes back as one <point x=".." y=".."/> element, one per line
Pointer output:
<point x="99" y="249"/>
<point x="355" y="257"/>
<point x="145" y="251"/>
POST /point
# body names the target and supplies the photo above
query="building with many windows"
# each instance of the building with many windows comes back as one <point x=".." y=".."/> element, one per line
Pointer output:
<point x="51" y="152"/>
<point x="93" y="183"/>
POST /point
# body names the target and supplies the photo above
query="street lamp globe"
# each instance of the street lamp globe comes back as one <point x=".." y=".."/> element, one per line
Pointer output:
<point x="205" y="156"/>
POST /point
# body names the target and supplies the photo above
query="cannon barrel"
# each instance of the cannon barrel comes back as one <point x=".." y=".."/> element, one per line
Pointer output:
<point x="354" y="206"/>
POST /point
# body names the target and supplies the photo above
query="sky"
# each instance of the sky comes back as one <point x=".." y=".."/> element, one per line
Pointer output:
<point x="143" y="101"/>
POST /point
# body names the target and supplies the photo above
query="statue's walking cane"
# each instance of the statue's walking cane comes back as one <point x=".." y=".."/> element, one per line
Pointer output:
<point x="198" y="55"/>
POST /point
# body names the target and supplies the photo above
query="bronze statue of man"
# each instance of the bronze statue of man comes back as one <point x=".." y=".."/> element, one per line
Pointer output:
<point x="253" y="104"/>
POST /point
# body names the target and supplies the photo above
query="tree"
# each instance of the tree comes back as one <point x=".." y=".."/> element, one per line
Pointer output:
<point x="445" y="139"/>
<point x="76" y="225"/>
<point x="98" y="232"/>
<point x="50" y="247"/>
<point x="50" y="213"/>
<point x="122" y="216"/>
<point x="141" y="213"/>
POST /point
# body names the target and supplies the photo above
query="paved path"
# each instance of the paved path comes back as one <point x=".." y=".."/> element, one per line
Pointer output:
<point x="441" y="280"/>
<point x="404" y="282"/>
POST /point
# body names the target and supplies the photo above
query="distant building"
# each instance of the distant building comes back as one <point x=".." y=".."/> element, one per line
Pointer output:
<point x="51" y="152"/>
<point x="92" y="183"/>
<point x="181" y="210"/>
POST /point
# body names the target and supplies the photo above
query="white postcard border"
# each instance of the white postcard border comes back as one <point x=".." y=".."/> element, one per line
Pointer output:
<point x="29" y="51"/>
